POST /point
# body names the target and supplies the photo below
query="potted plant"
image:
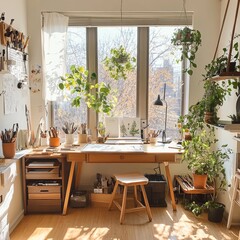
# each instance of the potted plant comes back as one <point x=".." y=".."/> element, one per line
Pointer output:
<point x="120" y="63"/>
<point x="235" y="118"/>
<point x="213" y="98"/>
<point x="201" y="158"/>
<point x="188" y="41"/>
<point x="85" y="87"/>
<point x="219" y="65"/>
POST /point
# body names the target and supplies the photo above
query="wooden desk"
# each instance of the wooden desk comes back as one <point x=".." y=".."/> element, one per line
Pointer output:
<point x="150" y="154"/>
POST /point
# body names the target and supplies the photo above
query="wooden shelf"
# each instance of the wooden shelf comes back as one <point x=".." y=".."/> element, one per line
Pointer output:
<point x="232" y="127"/>
<point x="226" y="76"/>
<point x="188" y="188"/>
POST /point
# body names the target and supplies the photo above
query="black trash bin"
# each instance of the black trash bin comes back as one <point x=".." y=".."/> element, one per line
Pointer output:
<point x="155" y="190"/>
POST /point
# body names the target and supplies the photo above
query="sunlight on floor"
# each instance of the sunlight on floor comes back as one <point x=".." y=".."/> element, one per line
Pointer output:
<point x="85" y="233"/>
<point x="40" y="233"/>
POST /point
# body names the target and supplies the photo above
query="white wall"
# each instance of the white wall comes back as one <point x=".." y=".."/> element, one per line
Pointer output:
<point x="206" y="19"/>
<point x="15" y="9"/>
<point x="229" y="108"/>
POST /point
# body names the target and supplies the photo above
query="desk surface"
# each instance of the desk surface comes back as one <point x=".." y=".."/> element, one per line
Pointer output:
<point x="105" y="148"/>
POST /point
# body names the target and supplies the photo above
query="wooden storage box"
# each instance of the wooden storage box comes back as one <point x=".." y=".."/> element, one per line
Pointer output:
<point x="44" y="192"/>
<point x="44" y="205"/>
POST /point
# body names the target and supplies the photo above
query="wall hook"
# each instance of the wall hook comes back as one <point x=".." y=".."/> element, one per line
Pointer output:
<point x="2" y="93"/>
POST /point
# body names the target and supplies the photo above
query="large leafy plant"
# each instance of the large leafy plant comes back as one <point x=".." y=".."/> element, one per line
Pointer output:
<point x="84" y="87"/>
<point x="120" y="63"/>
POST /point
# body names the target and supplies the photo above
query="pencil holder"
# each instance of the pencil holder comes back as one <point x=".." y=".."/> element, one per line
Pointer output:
<point x="82" y="138"/>
<point x="9" y="149"/>
<point x="54" y="142"/>
<point x="69" y="139"/>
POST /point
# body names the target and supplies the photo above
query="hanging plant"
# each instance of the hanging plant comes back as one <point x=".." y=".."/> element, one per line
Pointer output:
<point x="84" y="87"/>
<point x="120" y="63"/>
<point x="188" y="41"/>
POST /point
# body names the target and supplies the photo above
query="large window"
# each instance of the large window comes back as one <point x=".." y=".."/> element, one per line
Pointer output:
<point x="159" y="63"/>
<point x="76" y="55"/>
<point x="124" y="90"/>
<point x="163" y="69"/>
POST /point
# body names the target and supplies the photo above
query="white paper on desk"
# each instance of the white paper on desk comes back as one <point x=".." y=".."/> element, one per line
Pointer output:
<point x="113" y="148"/>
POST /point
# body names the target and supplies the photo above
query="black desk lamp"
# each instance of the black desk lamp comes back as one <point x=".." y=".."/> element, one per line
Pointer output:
<point x="159" y="102"/>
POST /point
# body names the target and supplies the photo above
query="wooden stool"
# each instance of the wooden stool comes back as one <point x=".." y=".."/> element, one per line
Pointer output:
<point x="131" y="180"/>
<point x="235" y="198"/>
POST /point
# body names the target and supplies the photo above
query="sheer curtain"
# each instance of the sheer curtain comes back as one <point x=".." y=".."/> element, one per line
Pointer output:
<point x="54" y="40"/>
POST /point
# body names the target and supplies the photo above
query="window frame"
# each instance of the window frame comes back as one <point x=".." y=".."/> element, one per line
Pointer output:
<point x="143" y="21"/>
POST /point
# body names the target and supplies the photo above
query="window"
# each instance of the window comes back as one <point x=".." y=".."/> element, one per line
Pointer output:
<point x="76" y="55"/>
<point x="163" y="69"/>
<point x="159" y="62"/>
<point x="124" y="90"/>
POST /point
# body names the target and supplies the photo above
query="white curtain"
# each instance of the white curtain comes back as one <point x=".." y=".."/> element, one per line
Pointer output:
<point x="54" y="38"/>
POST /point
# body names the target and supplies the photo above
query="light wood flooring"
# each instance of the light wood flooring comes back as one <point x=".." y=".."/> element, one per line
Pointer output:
<point x="94" y="222"/>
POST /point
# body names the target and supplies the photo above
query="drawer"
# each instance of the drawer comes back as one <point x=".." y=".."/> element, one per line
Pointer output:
<point x="166" y="157"/>
<point x="44" y="192"/>
<point x="44" y="189"/>
<point x="44" y="196"/>
<point x="78" y="157"/>
<point x="43" y="173"/>
<point x="44" y="206"/>
<point x="120" y="158"/>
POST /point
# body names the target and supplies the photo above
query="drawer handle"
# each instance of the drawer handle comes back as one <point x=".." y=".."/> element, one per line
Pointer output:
<point x="43" y="190"/>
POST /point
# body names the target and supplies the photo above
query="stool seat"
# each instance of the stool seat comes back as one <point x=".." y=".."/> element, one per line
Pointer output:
<point x="130" y="180"/>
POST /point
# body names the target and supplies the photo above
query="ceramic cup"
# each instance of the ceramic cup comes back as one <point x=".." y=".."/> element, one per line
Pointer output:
<point x="54" y="142"/>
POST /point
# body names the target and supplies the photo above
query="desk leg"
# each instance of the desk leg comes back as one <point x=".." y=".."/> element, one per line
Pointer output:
<point x="70" y="178"/>
<point x="166" y="164"/>
<point x="78" y="174"/>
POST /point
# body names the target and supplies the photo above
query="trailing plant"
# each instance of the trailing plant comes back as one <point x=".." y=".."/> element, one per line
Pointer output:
<point x="219" y="65"/>
<point x="120" y="63"/>
<point x="188" y="41"/>
<point x="85" y="87"/>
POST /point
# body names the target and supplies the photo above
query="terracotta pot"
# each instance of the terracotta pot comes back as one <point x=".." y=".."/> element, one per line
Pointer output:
<point x="199" y="181"/>
<point x="54" y="142"/>
<point x="209" y="117"/>
<point x="9" y="149"/>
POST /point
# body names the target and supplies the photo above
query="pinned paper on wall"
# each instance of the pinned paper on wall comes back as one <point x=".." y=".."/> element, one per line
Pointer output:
<point x="10" y="98"/>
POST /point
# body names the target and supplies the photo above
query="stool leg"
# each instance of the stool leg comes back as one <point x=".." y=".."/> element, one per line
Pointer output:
<point x="124" y="200"/>
<point x="135" y="196"/>
<point x="232" y="203"/>
<point x="146" y="203"/>
<point x="113" y="195"/>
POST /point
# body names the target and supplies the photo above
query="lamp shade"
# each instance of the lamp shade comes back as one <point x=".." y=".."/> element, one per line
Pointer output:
<point x="158" y="101"/>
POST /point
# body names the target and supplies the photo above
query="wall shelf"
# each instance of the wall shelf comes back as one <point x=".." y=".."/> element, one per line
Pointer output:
<point x="226" y="76"/>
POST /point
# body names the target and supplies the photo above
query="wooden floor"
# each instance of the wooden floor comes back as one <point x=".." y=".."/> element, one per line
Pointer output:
<point x="93" y="223"/>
